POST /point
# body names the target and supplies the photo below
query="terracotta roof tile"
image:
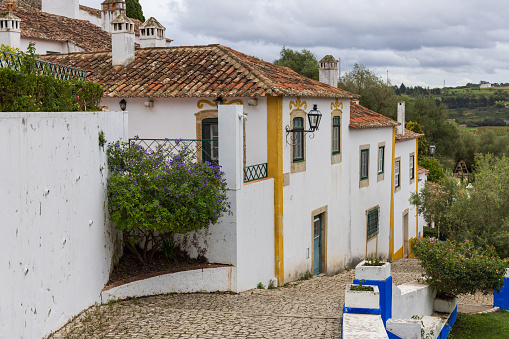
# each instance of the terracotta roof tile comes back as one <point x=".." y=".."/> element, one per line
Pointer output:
<point x="361" y="117"/>
<point x="409" y="135"/>
<point x="421" y="170"/>
<point x="39" y="25"/>
<point x="195" y="71"/>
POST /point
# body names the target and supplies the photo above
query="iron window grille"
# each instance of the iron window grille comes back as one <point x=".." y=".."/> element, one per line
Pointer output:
<point x="373" y="223"/>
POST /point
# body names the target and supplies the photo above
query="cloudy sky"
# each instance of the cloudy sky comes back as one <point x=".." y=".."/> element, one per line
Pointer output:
<point x="417" y="42"/>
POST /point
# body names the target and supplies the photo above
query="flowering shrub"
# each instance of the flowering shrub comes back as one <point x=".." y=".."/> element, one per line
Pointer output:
<point x="458" y="268"/>
<point x="152" y="196"/>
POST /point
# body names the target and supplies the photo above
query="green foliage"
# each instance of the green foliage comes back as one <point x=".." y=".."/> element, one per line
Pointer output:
<point x="29" y="91"/>
<point x="374" y="93"/>
<point x="422" y="143"/>
<point x="134" y="10"/>
<point x="361" y="287"/>
<point x="304" y="62"/>
<point x="481" y="213"/>
<point x="436" y="173"/>
<point x="260" y="286"/>
<point x="459" y="267"/>
<point x="271" y="285"/>
<point x="308" y="275"/>
<point x="373" y="262"/>
<point x="9" y="49"/>
<point x="102" y="139"/>
<point x="435" y="200"/>
<point x="151" y="197"/>
<point x="429" y="232"/>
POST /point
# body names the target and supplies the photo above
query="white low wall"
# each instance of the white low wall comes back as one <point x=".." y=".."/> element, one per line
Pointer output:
<point x="56" y="242"/>
<point x="357" y="326"/>
<point x="412" y="298"/>
<point x="200" y="280"/>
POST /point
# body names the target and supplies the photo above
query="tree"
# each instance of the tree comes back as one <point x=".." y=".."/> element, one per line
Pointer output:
<point x="303" y="62"/>
<point x="134" y="10"/>
<point x="374" y="93"/>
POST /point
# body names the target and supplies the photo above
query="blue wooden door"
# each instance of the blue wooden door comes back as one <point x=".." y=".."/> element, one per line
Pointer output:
<point x="317" y="245"/>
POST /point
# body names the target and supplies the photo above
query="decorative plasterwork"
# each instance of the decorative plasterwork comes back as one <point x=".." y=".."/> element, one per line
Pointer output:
<point x="213" y="103"/>
<point x="336" y="105"/>
<point x="298" y="104"/>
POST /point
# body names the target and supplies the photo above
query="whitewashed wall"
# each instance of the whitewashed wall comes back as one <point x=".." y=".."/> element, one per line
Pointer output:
<point x="56" y="242"/>
<point x="322" y="184"/>
<point x="84" y="15"/>
<point x="401" y="197"/>
<point x="377" y="193"/>
<point x="44" y="46"/>
<point x="175" y="118"/>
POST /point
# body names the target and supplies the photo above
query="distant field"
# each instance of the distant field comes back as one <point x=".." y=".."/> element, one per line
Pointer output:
<point x="471" y="90"/>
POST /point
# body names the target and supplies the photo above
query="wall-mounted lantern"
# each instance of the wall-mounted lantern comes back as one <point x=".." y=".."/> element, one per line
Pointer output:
<point x="314" y="118"/>
<point x="123" y="104"/>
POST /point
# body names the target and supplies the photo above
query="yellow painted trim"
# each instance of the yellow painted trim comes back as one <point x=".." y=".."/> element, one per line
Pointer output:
<point x="398" y="254"/>
<point x="336" y="105"/>
<point x="275" y="170"/>
<point x="391" y="236"/>
<point x="298" y="104"/>
<point x="214" y="104"/>
<point x="416" y="186"/>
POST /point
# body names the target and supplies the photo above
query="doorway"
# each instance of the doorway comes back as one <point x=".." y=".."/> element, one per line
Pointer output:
<point x="317" y="244"/>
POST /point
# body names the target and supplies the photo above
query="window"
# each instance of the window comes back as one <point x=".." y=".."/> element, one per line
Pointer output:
<point x="336" y="130"/>
<point x="298" y="139"/>
<point x="373" y="215"/>
<point x="381" y="154"/>
<point x="412" y="167"/>
<point x="210" y="149"/>
<point x="397" y="174"/>
<point x="364" y="164"/>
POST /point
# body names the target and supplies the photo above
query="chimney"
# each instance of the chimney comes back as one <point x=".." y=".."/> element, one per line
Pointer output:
<point x="401" y="118"/>
<point x="10" y="32"/>
<point x="328" y="71"/>
<point x="122" y="41"/>
<point x="67" y="8"/>
<point x="111" y="9"/>
<point x="152" y="34"/>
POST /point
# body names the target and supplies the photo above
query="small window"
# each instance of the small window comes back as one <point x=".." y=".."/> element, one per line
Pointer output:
<point x="381" y="155"/>
<point x="373" y="216"/>
<point x="364" y="164"/>
<point x="298" y="139"/>
<point x="412" y="167"/>
<point x="210" y="136"/>
<point x="397" y="174"/>
<point x="336" y="130"/>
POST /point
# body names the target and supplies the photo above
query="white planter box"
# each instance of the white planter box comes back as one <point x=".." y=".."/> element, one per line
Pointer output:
<point x="380" y="273"/>
<point x="362" y="299"/>
<point x="444" y="306"/>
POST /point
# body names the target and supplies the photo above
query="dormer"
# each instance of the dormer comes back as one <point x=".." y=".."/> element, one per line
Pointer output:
<point x="10" y="32"/>
<point x="122" y="41"/>
<point x="152" y="34"/>
<point x="328" y="71"/>
<point x="111" y="9"/>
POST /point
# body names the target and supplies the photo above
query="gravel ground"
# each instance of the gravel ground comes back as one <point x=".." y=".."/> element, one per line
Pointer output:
<point x="308" y="309"/>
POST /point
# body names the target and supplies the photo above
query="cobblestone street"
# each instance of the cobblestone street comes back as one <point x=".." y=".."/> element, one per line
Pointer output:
<point x="307" y="309"/>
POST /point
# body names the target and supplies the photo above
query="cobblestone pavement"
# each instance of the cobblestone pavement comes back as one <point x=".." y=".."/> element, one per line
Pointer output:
<point x="307" y="309"/>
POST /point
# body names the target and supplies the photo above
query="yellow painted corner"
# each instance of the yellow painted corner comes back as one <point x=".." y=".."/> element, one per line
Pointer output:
<point x="275" y="170"/>
<point x="391" y="240"/>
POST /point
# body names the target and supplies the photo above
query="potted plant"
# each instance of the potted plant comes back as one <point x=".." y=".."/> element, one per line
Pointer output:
<point x="362" y="296"/>
<point x="373" y="269"/>
<point x="458" y="268"/>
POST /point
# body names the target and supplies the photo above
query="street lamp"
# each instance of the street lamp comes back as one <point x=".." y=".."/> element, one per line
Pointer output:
<point x="314" y="118"/>
<point x="432" y="149"/>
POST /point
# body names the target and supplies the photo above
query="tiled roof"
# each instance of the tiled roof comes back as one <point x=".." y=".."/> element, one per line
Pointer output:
<point x="361" y="117"/>
<point x="421" y="170"/>
<point x="328" y="58"/>
<point x="91" y="11"/>
<point x="195" y="71"/>
<point x="409" y="135"/>
<point x="40" y="25"/>
<point x="152" y="23"/>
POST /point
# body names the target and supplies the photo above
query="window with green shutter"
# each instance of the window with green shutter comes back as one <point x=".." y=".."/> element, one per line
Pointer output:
<point x="373" y="216"/>
<point x="298" y="139"/>
<point x="364" y="164"/>
<point x="336" y="130"/>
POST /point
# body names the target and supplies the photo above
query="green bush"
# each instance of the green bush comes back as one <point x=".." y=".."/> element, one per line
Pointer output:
<point x="458" y="268"/>
<point x="29" y="91"/>
<point x="152" y="196"/>
<point x="436" y="173"/>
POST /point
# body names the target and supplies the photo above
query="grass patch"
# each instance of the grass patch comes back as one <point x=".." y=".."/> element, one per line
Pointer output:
<point x="486" y="326"/>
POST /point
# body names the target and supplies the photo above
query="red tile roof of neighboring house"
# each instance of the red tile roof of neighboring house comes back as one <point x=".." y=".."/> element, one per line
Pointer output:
<point x="361" y="117"/>
<point x="409" y="135"/>
<point x="195" y="71"/>
<point x="421" y="170"/>
<point x="92" y="11"/>
<point x="39" y="25"/>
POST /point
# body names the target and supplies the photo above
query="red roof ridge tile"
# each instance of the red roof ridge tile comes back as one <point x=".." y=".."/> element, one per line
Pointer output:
<point x="362" y="117"/>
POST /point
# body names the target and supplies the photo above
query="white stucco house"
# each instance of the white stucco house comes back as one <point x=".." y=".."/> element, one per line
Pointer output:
<point x="329" y="199"/>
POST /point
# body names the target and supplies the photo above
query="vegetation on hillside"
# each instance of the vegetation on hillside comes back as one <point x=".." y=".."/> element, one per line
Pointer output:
<point x="134" y="10"/>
